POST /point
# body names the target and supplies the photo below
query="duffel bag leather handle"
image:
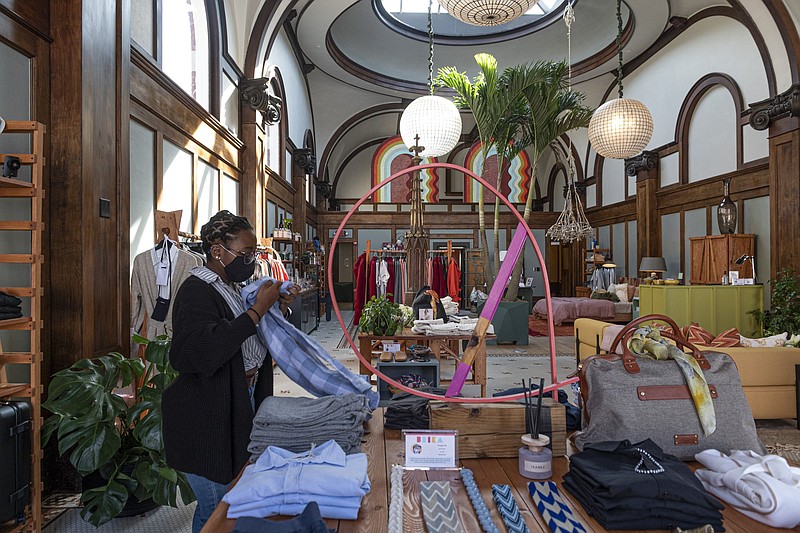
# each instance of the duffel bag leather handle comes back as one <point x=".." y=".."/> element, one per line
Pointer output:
<point x="629" y="360"/>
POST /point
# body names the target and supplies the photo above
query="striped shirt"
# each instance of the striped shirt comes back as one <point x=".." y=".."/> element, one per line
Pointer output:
<point x="253" y="349"/>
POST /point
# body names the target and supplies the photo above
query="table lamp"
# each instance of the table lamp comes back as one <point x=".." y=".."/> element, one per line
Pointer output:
<point x="653" y="265"/>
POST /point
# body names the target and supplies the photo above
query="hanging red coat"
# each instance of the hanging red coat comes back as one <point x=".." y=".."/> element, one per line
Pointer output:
<point x="360" y="277"/>
<point x="453" y="280"/>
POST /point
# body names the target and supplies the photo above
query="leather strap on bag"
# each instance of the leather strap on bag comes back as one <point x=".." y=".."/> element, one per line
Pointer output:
<point x="629" y="360"/>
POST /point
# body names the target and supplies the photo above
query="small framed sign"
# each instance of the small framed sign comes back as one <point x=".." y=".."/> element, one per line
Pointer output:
<point x="389" y="346"/>
<point x="529" y="282"/>
<point x="431" y="449"/>
<point x="426" y="314"/>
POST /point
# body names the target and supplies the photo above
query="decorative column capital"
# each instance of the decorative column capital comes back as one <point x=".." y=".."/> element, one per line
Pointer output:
<point x="255" y="93"/>
<point x="643" y="162"/>
<point x="786" y="104"/>
<point x="305" y="159"/>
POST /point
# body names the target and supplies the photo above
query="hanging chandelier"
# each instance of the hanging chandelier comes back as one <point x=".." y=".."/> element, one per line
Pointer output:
<point x="487" y="12"/>
<point x="620" y="128"/>
<point x="431" y="122"/>
<point x="572" y="224"/>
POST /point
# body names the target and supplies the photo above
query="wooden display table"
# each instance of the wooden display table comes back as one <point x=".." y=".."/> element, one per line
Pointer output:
<point x="442" y="346"/>
<point x="385" y="448"/>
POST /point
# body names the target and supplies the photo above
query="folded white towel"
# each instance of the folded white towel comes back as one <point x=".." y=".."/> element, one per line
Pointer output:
<point x="765" y="488"/>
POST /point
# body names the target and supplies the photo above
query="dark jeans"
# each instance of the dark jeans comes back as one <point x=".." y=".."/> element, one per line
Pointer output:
<point x="310" y="521"/>
<point x="208" y="494"/>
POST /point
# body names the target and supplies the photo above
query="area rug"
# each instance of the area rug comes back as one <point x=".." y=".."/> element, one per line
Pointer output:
<point x="780" y="437"/>
<point x="537" y="327"/>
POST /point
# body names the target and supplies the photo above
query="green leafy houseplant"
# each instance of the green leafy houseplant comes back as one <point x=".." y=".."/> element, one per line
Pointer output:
<point x="121" y="441"/>
<point x="784" y="312"/>
<point x="381" y="317"/>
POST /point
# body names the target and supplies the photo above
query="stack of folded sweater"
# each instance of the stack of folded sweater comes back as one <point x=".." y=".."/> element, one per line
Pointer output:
<point x="638" y="486"/>
<point x="409" y="411"/>
<point x="298" y="424"/>
<point x="10" y="306"/>
<point x="439" y="327"/>
<point x="283" y="482"/>
<point x="450" y="307"/>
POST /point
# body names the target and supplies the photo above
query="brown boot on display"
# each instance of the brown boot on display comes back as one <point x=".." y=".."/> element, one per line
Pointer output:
<point x="400" y="357"/>
<point x="386" y="357"/>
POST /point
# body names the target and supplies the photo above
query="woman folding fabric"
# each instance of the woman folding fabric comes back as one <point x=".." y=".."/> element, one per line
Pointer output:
<point x="208" y="411"/>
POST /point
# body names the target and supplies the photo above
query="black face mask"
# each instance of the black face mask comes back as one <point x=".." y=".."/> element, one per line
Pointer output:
<point x="238" y="271"/>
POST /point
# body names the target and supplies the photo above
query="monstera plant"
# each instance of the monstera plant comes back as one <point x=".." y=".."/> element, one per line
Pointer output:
<point x="106" y="417"/>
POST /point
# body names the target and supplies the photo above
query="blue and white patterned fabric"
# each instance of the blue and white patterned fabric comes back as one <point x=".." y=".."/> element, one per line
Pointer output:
<point x="554" y="510"/>
<point x="507" y="507"/>
<point x="302" y="358"/>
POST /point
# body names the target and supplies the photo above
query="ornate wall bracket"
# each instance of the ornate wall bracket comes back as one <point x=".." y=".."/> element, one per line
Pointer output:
<point x="256" y="93"/>
<point x="786" y="104"/>
<point x="647" y="160"/>
<point x="305" y="159"/>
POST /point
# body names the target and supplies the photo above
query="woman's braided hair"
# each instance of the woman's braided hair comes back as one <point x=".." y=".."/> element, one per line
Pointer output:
<point x="222" y="227"/>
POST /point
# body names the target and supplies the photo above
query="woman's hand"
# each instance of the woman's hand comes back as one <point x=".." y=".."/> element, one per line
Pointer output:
<point x="267" y="295"/>
<point x="287" y="299"/>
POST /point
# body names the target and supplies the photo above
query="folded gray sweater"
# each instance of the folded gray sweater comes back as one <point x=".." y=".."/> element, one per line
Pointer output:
<point x="296" y="424"/>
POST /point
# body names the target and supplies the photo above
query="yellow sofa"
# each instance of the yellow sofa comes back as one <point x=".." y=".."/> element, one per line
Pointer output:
<point x="768" y="374"/>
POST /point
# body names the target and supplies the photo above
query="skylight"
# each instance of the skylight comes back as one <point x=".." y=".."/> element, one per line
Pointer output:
<point x="405" y="15"/>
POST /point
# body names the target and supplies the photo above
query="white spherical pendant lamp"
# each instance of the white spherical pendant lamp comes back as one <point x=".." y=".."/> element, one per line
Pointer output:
<point x="437" y="122"/>
<point x="620" y="128"/>
<point x="487" y="12"/>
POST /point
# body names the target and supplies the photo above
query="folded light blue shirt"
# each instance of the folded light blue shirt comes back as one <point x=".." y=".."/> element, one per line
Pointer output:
<point x="303" y="359"/>
<point x="283" y="482"/>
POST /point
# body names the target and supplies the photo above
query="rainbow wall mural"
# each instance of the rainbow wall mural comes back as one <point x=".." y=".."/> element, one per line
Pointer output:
<point x="391" y="157"/>
<point x="515" y="180"/>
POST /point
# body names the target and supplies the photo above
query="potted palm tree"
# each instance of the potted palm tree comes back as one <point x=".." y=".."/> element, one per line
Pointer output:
<point x="526" y="107"/>
<point x="113" y="436"/>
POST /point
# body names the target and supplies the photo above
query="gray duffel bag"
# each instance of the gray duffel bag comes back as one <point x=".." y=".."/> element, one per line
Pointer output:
<point x="637" y="398"/>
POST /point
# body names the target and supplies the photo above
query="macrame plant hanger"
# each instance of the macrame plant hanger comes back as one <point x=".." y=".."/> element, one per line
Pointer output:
<point x="572" y="224"/>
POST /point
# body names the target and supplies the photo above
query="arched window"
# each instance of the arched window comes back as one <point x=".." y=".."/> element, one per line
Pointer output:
<point x="274" y="134"/>
<point x="185" y="47"/>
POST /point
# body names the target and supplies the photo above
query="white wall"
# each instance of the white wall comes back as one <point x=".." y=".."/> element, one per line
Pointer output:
<point x="356" y="176"/>
<point x="297" y="106"/>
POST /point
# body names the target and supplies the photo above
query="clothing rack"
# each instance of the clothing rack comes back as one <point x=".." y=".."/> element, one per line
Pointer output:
<point x="191" y="236"/>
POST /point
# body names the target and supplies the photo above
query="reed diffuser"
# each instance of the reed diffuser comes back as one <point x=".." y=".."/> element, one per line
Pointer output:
<point x="535" y="459"/>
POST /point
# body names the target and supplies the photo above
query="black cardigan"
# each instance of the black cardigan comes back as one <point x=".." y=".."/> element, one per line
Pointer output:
<point x="207" y="416"/>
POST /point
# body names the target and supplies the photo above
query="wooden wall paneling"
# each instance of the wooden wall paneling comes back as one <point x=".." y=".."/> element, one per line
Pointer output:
<point x="784" y="198"/>
<point x="750" y="182"/>
<point x="34" y="15"/>
<point x="155" y="91"/>
<point x="66" y="167"/>
<point x="99" y="146"/>
<point x="178" y="135"/>
<point x="123" y="127"/>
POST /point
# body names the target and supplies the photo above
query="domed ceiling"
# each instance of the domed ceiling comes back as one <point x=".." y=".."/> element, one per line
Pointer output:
<point x="365" y="44"/>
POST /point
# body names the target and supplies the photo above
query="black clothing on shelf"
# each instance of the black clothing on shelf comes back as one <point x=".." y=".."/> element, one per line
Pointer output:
<point x="8" y="300"/>
<point x="207" y="415"/>
<point x="8" y="312"/>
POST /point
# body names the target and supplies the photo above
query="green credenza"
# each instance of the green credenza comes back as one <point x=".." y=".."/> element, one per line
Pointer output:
<point x="715" y="307"/>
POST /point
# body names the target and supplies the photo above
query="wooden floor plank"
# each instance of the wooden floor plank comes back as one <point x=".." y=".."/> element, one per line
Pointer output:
<point x="413" y="522"/>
